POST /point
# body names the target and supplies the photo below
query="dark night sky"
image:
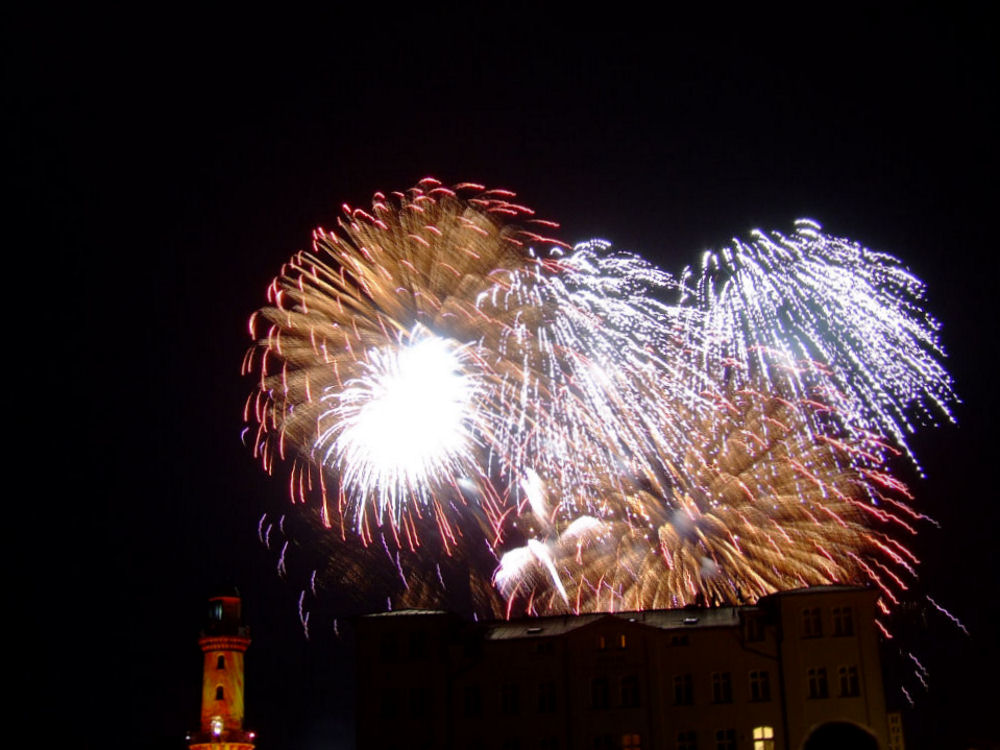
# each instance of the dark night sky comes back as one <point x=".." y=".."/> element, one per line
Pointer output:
<point x="167" y="165"/>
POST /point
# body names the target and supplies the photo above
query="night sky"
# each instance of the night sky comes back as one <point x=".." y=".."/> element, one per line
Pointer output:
<point x="166" y="165"/>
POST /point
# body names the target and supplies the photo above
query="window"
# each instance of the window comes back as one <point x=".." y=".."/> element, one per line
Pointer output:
<point x="812" y="623"/>
<point x="843" y="621"/>
<point x="599" y="692"/>
<point x="679" y="640"/>
<point x="511" y="743"/>
<point x="510" y="700"/>
<point x="544" y="647"/>
<point x="547" y="697"/>
<point x="849" y="685"/>
<point x="760" y="685"/>
<point x="622" y="641"/>
<point x="549" y="743"/>
<point x="763" y="738"/>
<point x="630" y="691"/>
<point x="220" y="663"/>
<point x="725" y="739"/>
<point x="390" y="704"/>
<point x="687" y="740"/>
<point x="683" y="690"/>
<point x="220" y="694"/>
<point x="473" y="700"/>
<point x="754" y="627"/>
<point x="387" y="648"/>
<point x="631" y="742"/>
<point x="604" y="742"/>
<point x="419" y="701"/>
<point x="418" y="645"/>
<point x="602" y="643"/>
<point x="817" y="683"/>
<point x="722" y="687"/>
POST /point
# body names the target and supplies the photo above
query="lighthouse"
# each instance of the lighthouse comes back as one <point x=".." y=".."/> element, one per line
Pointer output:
<point x="223" y="643"/>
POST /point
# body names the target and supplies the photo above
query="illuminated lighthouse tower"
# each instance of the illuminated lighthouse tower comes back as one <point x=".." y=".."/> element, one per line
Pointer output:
<point x="223" y="641"/>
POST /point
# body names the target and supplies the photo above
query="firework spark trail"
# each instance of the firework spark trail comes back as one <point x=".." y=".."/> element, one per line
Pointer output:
<point x="827" y="315"/>
<point x="545" y="430"/>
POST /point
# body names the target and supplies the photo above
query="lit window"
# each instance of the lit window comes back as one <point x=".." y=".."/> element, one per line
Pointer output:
<point x="763" y="738"/>
<point x="722" y="687"/>
<point x="849" y="684"/>
<point x="817" y="683"/>
<point x="217" y="725"/>
<point x="687" y="740"/>
<point x="622" y="641"/>
<point x="812" y="623"/>
<point x="220" y="663"/>
<point x="219" y="693"/>
<point x="725" y="739"/>
<point x="631" y="742"/>
<point x="602" y="642"/>
<point x="843" y="621"/>
<point x="760" y="685"/>
<point x="683" y="690"/>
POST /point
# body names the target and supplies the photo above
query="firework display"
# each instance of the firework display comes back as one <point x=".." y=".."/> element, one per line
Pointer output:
<point x="486" y="414"/>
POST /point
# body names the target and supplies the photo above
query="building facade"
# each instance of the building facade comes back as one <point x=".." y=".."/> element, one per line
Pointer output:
<point x="799" y="666"/>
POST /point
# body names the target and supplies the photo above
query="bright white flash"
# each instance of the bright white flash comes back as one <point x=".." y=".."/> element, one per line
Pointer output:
<point x="406" y="425"/>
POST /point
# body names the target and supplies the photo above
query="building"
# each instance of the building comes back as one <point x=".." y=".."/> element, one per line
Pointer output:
<point x="223" y="641"/>
<point x="799" y="670"/>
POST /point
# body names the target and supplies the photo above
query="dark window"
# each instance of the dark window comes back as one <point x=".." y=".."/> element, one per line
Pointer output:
<point x="602" y="643"/>
<point x="722" y="687"/>
<point x="544" y="647"/>
<point x="387" y="648"/>
<point x="599" y="692"/>
<point x="725" y="739"/>
<point x="817" y="683"/>
<point x="511" y="743"/>
<point x="547" y="697"/>
<point x="418" y="645"/>
<point x="604" y="742"/>
<point x="220" y="663"/>
<point x="812" y="623"/>
<point x="630" y="691"/>
<point x="687" y="740"/>
<point x="760" y="685"/>
<point x="679" y="640"/>
<point x="843" y="621"/>
<point x="683" y="690"/>
<point x="849" y="685"/>
<point x="754" y="628"/>
<point x="510" y="699"/>
<point x="549" y="743"/>
<point x="419" y="701"/>
<point x="220" y="694"/>
<point x="390" y="703"/>
<point x="473" y="700"/>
